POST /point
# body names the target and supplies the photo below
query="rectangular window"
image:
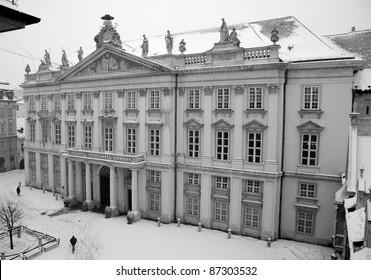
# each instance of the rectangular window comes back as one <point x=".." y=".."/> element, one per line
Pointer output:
<point x="311" y="98"/>
<point x="131" y="98"/>
<point x="223" y="98"/>
<point x="255" y="98"/>
<point x="2" y="128"/>
<point x="193" y="206"/>
<point x="87" y="101"/>
<point x="44" y="131"/>
<point x="2" y="145"/>
<point x="305" y="222"/>
<point x="154" y="101"/>
<point x="71" y="135"/>
<point x="11" y="124"/>
<point x="154" y="142"/>
<point x="57" y="101"/>
<point x="70" y="101"/>
<point x="32" y="131"/>
<point x="222" y="145"/>
<point x="254" y="147"/>
<point x="307" y="190"/>
<point x="194" y="143"/>
<point x="108" y="139"/>
<point x="155" y="176"/>
<point x="222" y="182"/>
<point x="154" y="202"/>
<point x="193" y="178"/>
<point x="131" y="140"/>
<point x="2" y="113"/>
<point x="108" y="100"/>
<point x="309" y="149"/>
<point x="252" y="217"/>
<point x="58" y="133"/>
<point x="253" y="187"/>
<point x="44" y="102"/>
<point x="194" y="99"/>
<point x="31" y="103"/>
<point x="88" y="136"/>
<point x="221" y="211"/>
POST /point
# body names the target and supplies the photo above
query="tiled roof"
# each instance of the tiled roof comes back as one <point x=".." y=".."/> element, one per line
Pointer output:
<point x="355" y="42"/>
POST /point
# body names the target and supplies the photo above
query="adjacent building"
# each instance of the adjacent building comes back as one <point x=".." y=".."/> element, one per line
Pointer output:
<point x="248" y="134"/>
<point x="8" y="132"/>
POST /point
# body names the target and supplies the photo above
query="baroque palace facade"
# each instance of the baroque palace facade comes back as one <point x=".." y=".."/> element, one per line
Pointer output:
<point x="249" y="139"/>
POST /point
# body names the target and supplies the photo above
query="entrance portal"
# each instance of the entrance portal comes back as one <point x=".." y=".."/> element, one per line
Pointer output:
<point x="104" y="187"/>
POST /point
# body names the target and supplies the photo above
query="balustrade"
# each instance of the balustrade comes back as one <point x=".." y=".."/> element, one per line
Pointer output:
<point x="109" y="157"/>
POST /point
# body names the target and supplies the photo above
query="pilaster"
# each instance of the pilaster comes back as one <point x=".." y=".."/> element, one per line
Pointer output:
<point x="134" y="189"/>
<point x="70" y="179"/>
<point x="38" y="170"/>
<point x="26" y="168"/>
<point x="51" y="171"/>
<point x="235" y="205"/>
<point x="205" y="200"/>
<point x="63" y="177"/>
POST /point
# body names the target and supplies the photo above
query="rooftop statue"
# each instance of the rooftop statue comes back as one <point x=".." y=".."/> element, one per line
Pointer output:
<point x="169" y="42"/>
<point x="80" y="54"/>
<point x="224" y="32"/>
<point x="64" y="59"/>
<point x="233" y="38"/>
<point x="47" y="58"/>
<point x="107" y="34"/>
<point x="145" y="46"/>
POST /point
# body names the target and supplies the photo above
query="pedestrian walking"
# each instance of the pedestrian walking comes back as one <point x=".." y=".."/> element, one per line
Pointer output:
<point x="73" y="241"/>
<point x="18" y="191"/>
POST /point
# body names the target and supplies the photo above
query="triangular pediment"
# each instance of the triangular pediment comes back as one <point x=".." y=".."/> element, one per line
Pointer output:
<point x="254" y="125"/>
<point x="310" y="127"/>
<point x="109" y="60"/>
<point x="193" y="123"/>
<point x="222" y="123"/>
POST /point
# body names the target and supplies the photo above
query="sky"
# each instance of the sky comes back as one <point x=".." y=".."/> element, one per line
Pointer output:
<point x="70" y="24"/>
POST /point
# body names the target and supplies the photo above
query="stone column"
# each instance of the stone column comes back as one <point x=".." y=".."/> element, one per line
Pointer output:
<point x="205" y="212"/>
<point x="38" y="170"/>
<point x="88" y="181"/>
<point x="96" y="131"/>
<point x="142" y="120"/>
<point x="120" y="118"/>
<point x="134" y="189"/>
<point x="238" y="118"/>
<point x="79" y="130"/>
<point x="78" y="166"/>
<point x="70" y="179"/>
<point x="272" y="130"/>
<point x="63" y="177"/>
<point x="63" y="118"/>
<point x="26" y="168"/>
<point x="207" y="132"/>
<point x="113" y="196"/>
<point x="51" y="171"/>
<point x="235" y="205"/>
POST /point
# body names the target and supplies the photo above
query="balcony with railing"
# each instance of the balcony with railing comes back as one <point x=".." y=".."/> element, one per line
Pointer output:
<point x="106" y="157"/>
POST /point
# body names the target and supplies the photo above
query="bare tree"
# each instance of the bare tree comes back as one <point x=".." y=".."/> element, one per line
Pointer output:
<point x="10" y="214"/>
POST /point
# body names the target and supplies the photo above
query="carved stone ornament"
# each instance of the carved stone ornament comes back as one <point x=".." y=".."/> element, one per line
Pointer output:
<point x="50" y="96"/>
<point x="143" y="92"/>
<point x="120" y="93"/>
<point x="37" y="97"/>
<point x="181" y="91"/>
<point x="96" y="94"/>
<point x="79" y="94"/>
<point x="63" y="95"/>
<point x="208" y="90"/>
<point x="273" y="88"/>
<point x="238" y="90"/>
<point x="167" y="91"/>
<point x="108" y="34"/>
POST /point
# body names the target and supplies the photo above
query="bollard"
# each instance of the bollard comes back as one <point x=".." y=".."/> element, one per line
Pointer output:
<point x="56" y="196"/>
<point x="53" y="192"/>
<point x="2" y="256"/>
<point x="43" y="189"/>
<point x="21" y="255"/>
<point x="269" y="241"/>
<point x="229" y="233"/>
<point x="178" y="223"/>
<point x="40" y="243"/>
<point x="19" y="233"/>
<point x="158" y="222"/>
<point x="199" y="227"/>
<point x="30" y="187"/>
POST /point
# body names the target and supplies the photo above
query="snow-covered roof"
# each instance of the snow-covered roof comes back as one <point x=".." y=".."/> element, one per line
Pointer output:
<point x="356" y="225"/>
<point x="355" y="42"/>
<point x="297" y="42"/>
<point x="362" y="79"/>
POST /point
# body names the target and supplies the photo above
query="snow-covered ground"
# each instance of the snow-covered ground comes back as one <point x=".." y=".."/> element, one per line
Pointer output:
<point x="113" y="239"/>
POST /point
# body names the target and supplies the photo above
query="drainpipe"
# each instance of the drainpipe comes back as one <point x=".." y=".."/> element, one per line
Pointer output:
<point x="175" y="141"/>
<point x="282" y="150"/>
